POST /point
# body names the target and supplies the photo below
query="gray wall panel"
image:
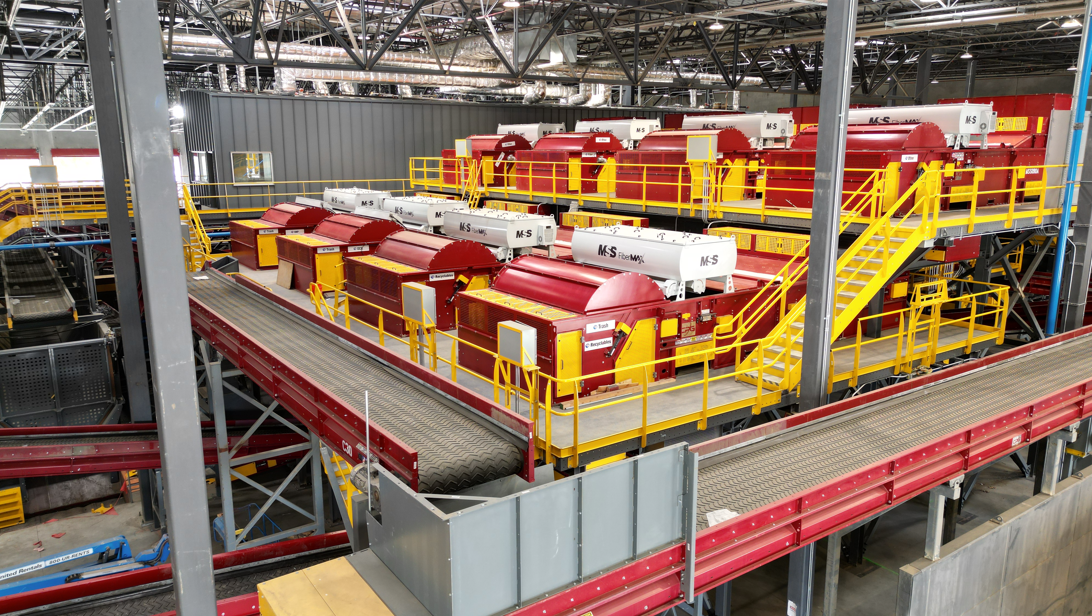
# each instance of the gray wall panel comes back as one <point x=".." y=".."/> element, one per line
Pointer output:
<point x="325" y="139"/>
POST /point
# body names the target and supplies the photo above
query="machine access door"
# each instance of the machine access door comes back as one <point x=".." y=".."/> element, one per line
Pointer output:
<point x="267" y="248"/>
<point x="640" y="348"/>
<point x="570" y="349"/>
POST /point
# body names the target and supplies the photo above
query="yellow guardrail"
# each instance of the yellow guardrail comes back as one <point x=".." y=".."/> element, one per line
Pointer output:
<point x="920" y="321"/>
<point x="727" y="187"/>
<point x="278" y="192"/>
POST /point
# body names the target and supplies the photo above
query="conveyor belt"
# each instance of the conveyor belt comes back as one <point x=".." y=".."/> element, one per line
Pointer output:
<point x="804" y="457"/>
<point x="454" y="452"/>
<point x="33" y="291"/>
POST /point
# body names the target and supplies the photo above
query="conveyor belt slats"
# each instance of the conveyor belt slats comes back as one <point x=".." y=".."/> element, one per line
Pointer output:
<point x="454" y="451"/>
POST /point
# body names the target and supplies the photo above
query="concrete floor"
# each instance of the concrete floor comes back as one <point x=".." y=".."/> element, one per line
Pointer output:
<point x="899" y="539"/>
<point x="80" y="527"/>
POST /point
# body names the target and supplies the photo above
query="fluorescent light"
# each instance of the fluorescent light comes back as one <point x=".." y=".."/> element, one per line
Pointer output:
<point x="511" y="4"/>
<point x="967" y="55"/>
<point x="177" y="112"/>
<point x="716" y="25"/>
<point x="860" y="43"/>
<point x="37" y="115"/>
<point x="1071" y="23"/>
<point x="2" y="105"/>
<point x="71" y="117"/>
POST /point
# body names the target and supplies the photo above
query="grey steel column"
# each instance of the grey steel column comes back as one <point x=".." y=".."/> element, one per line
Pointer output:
<point x="827" y="203"/>
<point x="801" y="580"/>
<point x="921" y="84"/>
<point x="143" y="95"/>
<point x="793" y="98"/>
<point x="117" y="209"/>
<point x="318" y="478"/>
<point x="1081" y="265"/>
<point x="934" y="526"/>
<point x="834" y="564"/>
<point x="112" y="152"/>
<point x="722" y="599"/>
<point x="214" y="381"/>
<point x="970" y="77"/>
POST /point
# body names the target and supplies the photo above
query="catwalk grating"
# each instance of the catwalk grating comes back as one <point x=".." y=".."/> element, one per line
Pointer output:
<point x="33" y="291"/>
<point x="804" y="457"/>
<point x="453" y="451"/>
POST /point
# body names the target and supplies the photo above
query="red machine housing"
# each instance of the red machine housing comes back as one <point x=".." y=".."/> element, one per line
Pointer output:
<point x="579" y="312"/>
<point x="898" y="148"/>
<point x="541" y="209"/>
<point x="495" y="155"/>
<point x="657" y="170"/>
<point x="559" y="162"/>
<point x="318" y="256"/>
<point x="445" y="264"/>
<point x="253" y="242"/>
<point x="1023" y="120"/>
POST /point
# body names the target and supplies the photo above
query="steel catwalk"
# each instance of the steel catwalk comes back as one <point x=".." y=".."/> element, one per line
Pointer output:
<point x="454" y="451"/>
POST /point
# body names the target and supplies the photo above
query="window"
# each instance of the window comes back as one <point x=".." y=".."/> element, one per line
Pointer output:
<point x="15" y="165"/>
<point x="200" y="168"/>
<point x="252" y="168"/>
<point x="78" y="168"/>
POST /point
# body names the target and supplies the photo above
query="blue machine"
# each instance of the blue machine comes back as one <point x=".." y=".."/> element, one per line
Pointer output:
<point x="114" y="556"/>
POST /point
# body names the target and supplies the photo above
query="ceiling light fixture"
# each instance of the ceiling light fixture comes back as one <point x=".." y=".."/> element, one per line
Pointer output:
<point x="934" y="81"/>
<point x="860" y="43"/>
<point x="716" y="25"/>
<point x="967" y="55"/>
<point x="511" y="4"/>
<point x="1071" y="23"/>
<point x="37" y="115"/>
<point x="70" y="118"/>
<point x="1072" y="68"/>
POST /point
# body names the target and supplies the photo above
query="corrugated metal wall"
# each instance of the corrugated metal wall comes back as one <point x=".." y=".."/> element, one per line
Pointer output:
<point x="350" y="139"/>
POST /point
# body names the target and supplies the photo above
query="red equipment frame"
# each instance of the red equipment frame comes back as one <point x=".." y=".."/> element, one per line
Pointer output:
<point x="545" y="168"/>
<point x="341" y="233"/>
<point x="340" y="425"/>
<point x="282" y="219"/>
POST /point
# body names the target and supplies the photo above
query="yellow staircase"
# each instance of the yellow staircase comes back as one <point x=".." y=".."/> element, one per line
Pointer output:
<point x="198" y="248"/>
<point x="471" y="189"/>
<point x="863" y="270"/>
<point x="338" y="470"/>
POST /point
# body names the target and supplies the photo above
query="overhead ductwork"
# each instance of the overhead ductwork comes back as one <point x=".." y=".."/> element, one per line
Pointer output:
<point x="599" y="96"/>
<point x="204" y="45"/>
<point x="536" y="95"/>
<point x="581" y="97"/>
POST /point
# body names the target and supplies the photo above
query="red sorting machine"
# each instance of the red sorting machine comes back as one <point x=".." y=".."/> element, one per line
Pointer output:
<point x="495" y="155"/>
<point x="319" y="256"/>
<point x="658" y="171"/>
<point x="445" y="264"/>
<point x="568" y="163"/>
<point x="900" y="149"/>
<point x="591" y="319"/>
<point x="254" y="242"/>
<point x="1024" y="120"/>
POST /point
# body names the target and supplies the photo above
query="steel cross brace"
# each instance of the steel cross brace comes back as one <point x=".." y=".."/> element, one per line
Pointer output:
<point x="227" y="461"/>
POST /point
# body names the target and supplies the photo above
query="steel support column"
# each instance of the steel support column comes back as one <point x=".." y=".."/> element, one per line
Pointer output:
<point x="826" y="212"/>
<point x="1081" y="265"/>
<point x="801" y="579"/>
<point x="934" y="528"/>
<point x="722" y="599"/>
<point x="834" y="562"/>
<point x="1055" y="454"/>
<point x="112" y="151"/>
<point x="971" y="65"/>
<point x="143" y="95"/>
<point x="921" y="84"/>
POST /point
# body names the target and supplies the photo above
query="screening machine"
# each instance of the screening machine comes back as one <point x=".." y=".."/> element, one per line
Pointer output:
<point x="899" y="149"/>
<point x="509" y="233"/>
<point x="531" y="132"/>
<point x="541" y="209"/>
<point x="494" y="155"/>
<point x="348" y="199"/>
<point x="569" y="163"/>
<point x="1024" y="120"/>
<point x="630" y="131"/>
<point x="633" y="295"/>
<point x="448" y="265"/>
<point x="319" y="256"/>
<point x="764" y="130"/>
<point x="425" y="213"/>
<point x="658" y="170"/>
<point x="254" y="242"/>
